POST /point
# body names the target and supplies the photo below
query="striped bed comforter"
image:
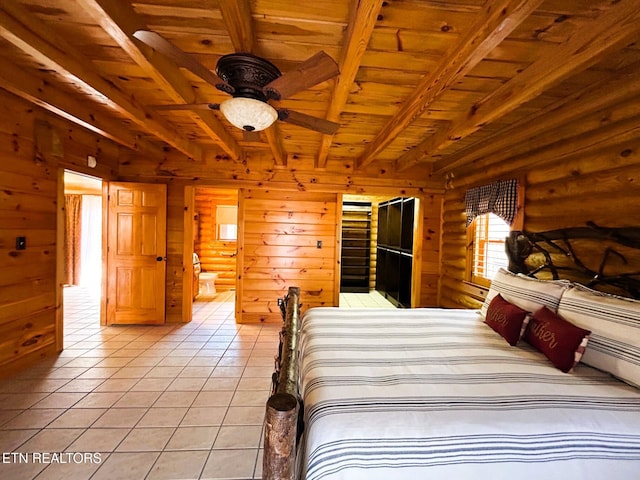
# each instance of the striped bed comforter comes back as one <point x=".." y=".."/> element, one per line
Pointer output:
<point x="437" y="394"/>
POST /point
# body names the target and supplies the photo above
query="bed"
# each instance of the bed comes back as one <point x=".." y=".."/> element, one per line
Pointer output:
<point x="445" y="397"/>
<point x="442" y="393"/>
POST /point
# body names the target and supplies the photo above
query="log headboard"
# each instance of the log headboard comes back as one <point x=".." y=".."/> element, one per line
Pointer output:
<point x="603" y="258"/>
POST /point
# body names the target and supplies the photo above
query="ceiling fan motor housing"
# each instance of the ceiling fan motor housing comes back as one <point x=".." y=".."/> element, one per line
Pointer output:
<point x="252" y="81"/>
<point x="247" y="74"/>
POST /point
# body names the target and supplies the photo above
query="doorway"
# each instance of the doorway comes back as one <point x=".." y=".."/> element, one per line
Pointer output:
<point x="215" y="245"/>
<point x="82" y="276"/>
<point x="391" y="276"/>
<point x="359" y="241"/>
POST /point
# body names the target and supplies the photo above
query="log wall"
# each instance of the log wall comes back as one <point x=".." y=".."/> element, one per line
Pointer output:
<point x="278" y="247"/>
<point x="217" y="256"/>
<point x="30" y="169"/>
<point x="598" y="183"/>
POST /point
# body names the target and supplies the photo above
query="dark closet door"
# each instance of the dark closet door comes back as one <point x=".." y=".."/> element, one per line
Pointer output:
<point x="395" y="250"/>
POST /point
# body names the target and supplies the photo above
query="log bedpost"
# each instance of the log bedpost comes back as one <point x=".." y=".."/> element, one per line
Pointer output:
<point x="281" y="417"/>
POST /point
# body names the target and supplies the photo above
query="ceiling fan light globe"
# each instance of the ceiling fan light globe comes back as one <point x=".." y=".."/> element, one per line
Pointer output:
<point x="248" y="113"/>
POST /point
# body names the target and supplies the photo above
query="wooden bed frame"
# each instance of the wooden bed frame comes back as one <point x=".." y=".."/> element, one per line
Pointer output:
<point x="283" y="418"/>
<point x="547" y="254"/>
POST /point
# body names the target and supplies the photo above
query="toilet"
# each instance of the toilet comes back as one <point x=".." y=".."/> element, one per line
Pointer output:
<point x="207" y="283"/>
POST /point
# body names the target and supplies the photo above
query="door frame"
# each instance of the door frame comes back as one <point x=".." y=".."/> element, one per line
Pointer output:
<point x="187" y="253"/>
<point x="60" y="225"/>
<point x="60" y="221"/>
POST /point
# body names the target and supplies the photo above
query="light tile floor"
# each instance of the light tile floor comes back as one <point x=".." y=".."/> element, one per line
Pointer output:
<point x="145" y="402"/>
<point x="373" y="299"/>
<point x="141" y="402"/>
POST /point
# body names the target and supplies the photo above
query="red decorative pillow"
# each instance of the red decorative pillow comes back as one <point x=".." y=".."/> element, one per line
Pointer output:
<point x="562" y="342"/>
<point x="507" y="319"/>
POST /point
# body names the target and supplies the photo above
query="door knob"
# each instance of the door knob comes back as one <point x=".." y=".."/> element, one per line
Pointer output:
<point x="160" y="259"/>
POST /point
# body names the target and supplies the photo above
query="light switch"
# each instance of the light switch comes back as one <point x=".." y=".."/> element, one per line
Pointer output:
<point x="319" y="244"/>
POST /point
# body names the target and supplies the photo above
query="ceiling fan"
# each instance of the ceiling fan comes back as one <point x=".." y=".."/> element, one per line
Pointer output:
<point x="252" y="81"/>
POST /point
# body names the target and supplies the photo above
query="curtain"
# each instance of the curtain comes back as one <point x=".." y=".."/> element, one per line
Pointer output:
<point x="72" y="235"/>
<point x="91" y="244"/>
<point x="499" y="197"/>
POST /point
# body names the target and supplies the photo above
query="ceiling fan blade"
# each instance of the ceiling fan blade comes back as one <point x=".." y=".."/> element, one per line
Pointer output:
<point x="188" y="106"/>
<point x="307" y="121"/>
<point x="181" y="58"/>
<point x="312" y="71"/>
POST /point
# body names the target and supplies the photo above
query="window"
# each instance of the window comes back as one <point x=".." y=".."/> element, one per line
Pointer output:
<point x="488" y="250"/>
<point x="227" y="222"/>
<point x="492" y="211"/>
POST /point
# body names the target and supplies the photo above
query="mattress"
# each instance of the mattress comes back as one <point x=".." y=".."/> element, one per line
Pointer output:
<point x="435" y="393"/>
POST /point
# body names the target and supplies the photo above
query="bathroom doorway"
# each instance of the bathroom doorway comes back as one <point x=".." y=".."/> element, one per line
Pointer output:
<point x="82" y="246"/>
<point x="215" y="245"/>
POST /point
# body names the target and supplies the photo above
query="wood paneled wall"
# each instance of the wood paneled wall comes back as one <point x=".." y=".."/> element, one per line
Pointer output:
<point x="175" y="251"/>
<point x="430" y="252"/>
<point x="598" y="184"/>
<point x="295" y="182"/>
<point x="278" y="238"/>
<point x="218" y="256"/>
<point x="29" y="171"/>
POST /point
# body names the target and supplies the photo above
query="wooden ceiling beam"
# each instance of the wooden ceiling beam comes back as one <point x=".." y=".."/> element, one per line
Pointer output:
<point x="28" y="86"/>
<point x="26" y="32"/>
<point x="361" y="25"/>
<point x="613" y="29"/>
<point x="494" y="22"/>
<point x="236" y="15"/>
<point x="120" y="21"/>
<point x="517" y="138"/>
<point x="274" y="138"/>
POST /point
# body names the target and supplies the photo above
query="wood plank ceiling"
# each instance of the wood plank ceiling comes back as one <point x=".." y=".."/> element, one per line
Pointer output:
<point x="422" y="82"/>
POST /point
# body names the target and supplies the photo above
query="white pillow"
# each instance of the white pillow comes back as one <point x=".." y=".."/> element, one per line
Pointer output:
<point x="528" y="293"/>
<point x="614" y="322"/>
